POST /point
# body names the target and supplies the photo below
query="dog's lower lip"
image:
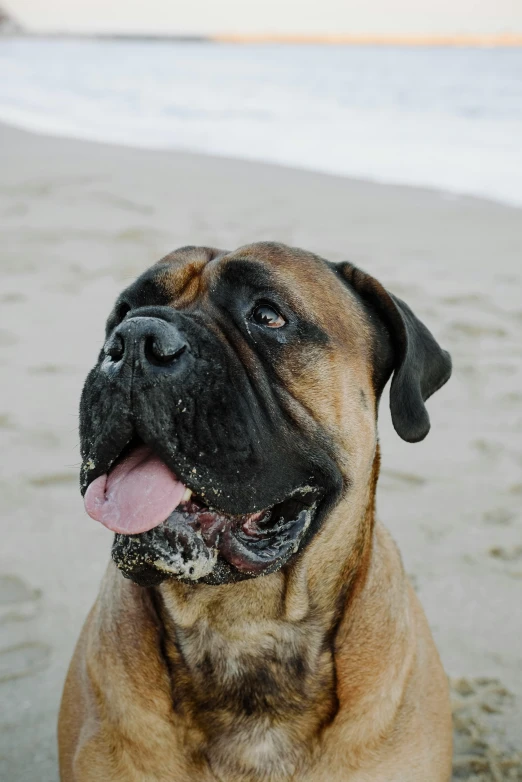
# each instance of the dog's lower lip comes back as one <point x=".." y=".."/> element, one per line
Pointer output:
<point x="197" y="538"/>
<point x="196" y="541"/>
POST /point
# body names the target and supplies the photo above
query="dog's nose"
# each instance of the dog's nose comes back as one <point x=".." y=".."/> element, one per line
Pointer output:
<point x="152" y="343"/>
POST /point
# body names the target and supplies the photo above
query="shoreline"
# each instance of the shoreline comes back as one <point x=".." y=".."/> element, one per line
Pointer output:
<point x="65" y="136"/>
<point x="79" y="221"/>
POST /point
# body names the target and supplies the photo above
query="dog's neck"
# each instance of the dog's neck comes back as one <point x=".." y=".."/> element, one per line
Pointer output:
<point x="242" y="655"/>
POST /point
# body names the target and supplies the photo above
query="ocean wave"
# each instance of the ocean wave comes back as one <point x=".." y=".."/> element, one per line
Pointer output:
<point x="449" y="119"/>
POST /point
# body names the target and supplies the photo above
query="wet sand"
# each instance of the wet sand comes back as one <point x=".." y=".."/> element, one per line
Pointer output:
<point x="78" y="222"/>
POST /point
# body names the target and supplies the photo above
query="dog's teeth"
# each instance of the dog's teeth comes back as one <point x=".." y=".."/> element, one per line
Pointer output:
<point x="186" y="497"/>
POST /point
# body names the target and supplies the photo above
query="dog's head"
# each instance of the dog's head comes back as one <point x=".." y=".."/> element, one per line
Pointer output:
<point x="234" y="403"/>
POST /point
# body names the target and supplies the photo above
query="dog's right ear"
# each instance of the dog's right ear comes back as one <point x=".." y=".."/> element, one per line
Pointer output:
<point x="419" y="365"/>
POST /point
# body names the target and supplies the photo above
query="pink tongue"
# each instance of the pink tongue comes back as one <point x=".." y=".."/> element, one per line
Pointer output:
<point x="140" y="493"/>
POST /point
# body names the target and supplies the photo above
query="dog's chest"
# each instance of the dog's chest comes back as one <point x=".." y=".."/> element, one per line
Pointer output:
<point x="258" y="695"/>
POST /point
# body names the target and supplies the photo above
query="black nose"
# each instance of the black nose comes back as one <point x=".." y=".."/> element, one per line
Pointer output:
<point x="152" y="344"/>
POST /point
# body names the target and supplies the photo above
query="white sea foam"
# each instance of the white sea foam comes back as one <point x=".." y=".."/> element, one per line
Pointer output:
<point x="443" y="118"/>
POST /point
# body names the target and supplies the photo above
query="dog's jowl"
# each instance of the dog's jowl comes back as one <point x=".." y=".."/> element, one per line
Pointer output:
<point x="255" y="623"/>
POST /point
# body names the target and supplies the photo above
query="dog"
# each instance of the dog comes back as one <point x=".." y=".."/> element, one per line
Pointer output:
<point x="256" y="623"/>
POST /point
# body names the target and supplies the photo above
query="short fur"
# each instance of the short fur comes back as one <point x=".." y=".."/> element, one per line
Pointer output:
<point x="323" y="670"/>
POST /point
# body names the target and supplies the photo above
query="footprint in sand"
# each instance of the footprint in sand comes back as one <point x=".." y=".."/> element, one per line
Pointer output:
<point x="6" y="422"/>
<point x="395" y="479"/>
<point x="18" y="603"/>
<point x="12" y="298"/>
<point x="498" y="516"/>
<point x="7" y="338"/>
<point x="468" y="330"/>
<point x="481" y="754"/>
<point x="489" y="449"/>
<point x="466" y="298"/>
<point x="509" y="554"/>
<point x="54" y="479"/>
<point x="23" y="660"/>
<point x="49" y="369"/>
<point x="511" y="398"/>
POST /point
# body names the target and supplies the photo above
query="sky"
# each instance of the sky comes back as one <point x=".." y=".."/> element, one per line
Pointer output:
<point x="282" y="17"/>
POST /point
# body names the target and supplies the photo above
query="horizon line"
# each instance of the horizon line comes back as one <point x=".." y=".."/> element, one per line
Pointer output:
<point x="504" y="40"/>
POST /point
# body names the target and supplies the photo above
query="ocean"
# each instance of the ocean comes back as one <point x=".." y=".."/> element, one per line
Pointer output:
<point x="443" y="118"/>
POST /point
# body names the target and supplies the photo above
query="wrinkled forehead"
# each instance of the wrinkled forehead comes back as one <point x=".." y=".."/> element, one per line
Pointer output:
<point x="303" y="278"/>
<point x="190" y="276"/>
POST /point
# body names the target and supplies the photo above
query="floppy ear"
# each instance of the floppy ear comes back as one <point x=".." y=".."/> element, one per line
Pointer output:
<point x="420" y="366"/>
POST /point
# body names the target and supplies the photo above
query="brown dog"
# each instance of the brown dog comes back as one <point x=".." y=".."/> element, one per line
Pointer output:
<point x="229" y="439"/>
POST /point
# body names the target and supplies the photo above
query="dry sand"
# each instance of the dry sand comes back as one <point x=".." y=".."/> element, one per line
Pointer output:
<point x="78" y="221"/>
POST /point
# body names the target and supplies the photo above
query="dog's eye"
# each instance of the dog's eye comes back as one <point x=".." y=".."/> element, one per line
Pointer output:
<point x="267" y="316"/>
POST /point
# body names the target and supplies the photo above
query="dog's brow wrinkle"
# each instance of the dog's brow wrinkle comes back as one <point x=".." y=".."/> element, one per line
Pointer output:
<point x="183" y="285"/>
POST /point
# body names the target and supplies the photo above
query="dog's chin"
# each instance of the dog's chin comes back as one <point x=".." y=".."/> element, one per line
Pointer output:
<point x="201" y="544"/>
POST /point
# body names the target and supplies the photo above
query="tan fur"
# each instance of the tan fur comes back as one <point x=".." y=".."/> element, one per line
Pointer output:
<point x="323" y="671"/>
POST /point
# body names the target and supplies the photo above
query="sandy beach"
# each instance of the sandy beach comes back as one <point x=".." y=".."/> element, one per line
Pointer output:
<point x="78" y="221"/>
